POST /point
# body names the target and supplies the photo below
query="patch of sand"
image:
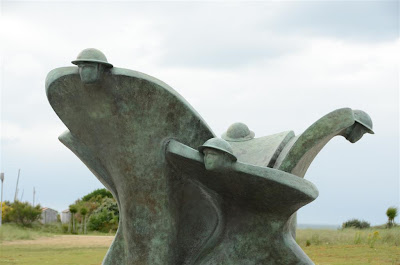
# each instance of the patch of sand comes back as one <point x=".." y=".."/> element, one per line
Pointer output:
<point x="66" y="241"/>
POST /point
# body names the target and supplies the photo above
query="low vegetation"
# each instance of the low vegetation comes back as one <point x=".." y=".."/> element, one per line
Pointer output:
<point x="378" y="246"/>
<point x="11" y="232"/>
<point x="95" y="212"/>
<point x="351" y="245"/>
<point x="355" y="223"/>
<point x="61" y="249"/>
<point x="349" y="236"/>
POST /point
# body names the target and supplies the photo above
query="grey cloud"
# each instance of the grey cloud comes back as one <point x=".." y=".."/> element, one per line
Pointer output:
<point x="223" y="53"/>
<point x="214" y="35"/>
<point x="352" y="20"/>
<point x="236" y="35"/>
<point x="222" y="35"/>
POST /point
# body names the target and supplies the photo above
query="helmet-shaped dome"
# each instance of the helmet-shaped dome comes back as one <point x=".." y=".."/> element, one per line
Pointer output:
<point x="92" y="55"/>
<point x="364" y="119"/>
<point x="220" y="145"/>
<point x="238" y="132"/>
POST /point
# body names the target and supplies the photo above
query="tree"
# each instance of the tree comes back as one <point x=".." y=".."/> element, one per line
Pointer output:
<point x="391" y="213"/>
<point x="23" y="213"/>
<point x="83" y="213"/>
<point x="89" y="216"/>
<point x="73" y="210"/>
<point x="97" y="195"/>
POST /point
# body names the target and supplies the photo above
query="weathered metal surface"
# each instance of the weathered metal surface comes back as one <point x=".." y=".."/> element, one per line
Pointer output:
<point x="298" y="155"/>
<point x="254" y="205"/>
<point x="118" y="127"/>
<point x="262" y="151"/>
<point x="177" y="205"/>
<point x="294" y="154"/>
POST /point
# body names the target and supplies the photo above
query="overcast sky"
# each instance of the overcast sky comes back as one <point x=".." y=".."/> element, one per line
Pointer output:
<point x="275" y="66"/>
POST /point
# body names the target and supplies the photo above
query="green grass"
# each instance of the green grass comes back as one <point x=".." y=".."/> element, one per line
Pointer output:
<point x="353" y="254"/>
<point x="10" y="232"/>
<point x="351" y="246"/>
<point x="39" y="255"/>
<point x="350" y="236"/>
<point x="327" y="247"/>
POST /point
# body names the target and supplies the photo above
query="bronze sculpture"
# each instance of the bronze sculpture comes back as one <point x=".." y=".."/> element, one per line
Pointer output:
<point x="178" y="205"/>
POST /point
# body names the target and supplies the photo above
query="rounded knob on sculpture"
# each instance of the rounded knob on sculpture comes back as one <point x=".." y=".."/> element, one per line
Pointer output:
<point x="238" y="132"/>
<point x="364" y="119"/>
<point x="92" y="55"/>
<point x="219" y="145"/>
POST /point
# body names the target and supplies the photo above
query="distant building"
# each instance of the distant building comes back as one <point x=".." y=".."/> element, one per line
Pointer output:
<point x="65" y="216"/>
<point x="48" y="216"/>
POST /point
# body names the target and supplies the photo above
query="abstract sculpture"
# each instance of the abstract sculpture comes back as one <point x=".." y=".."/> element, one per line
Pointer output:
<point x="232" y="201"/>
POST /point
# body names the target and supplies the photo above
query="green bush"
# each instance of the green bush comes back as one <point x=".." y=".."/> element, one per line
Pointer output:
<point x="355" y="223"/>
<point x="23" y="213"/>
<point x="97" y="211"/>
<point x="6" y="208"/>
<point x="106" y="217"/>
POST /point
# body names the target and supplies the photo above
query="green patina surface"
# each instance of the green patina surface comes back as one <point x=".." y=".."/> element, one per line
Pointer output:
<point x="139" y="138"/>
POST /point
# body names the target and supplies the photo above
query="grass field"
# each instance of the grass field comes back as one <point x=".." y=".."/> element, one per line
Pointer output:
<point x="353" y="254"/>
<point x="58" y="249"/>
<point x="327" y="247"/>
<point x="46" y="245"/>
<point x="351" y="246"/>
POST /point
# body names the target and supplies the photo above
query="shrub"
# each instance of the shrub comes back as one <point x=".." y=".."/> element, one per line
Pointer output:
<point x="6" y="208"/>
<point x="355" y="223"/>
<point x="105" y="218"/>
<point x="24" y="214"/>
<point x="97" y="210"/>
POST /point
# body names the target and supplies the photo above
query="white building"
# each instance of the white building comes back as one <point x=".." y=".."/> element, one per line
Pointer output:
<point x="65" y="216"/>
<point x="48" y="216"/>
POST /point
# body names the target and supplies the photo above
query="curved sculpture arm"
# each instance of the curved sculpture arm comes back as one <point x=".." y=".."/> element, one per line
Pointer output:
<point x="261" y="188"/>
<point x="301" y="151"/>
<point x="86" y="155"/>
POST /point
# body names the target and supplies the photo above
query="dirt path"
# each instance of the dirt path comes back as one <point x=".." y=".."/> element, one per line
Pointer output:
<point x="66" y="241"/>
